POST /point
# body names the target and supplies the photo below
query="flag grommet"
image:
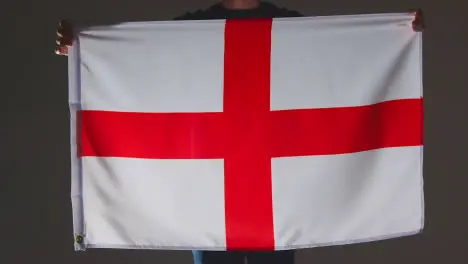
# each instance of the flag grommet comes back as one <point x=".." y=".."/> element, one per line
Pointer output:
<point x="79" y="239"/>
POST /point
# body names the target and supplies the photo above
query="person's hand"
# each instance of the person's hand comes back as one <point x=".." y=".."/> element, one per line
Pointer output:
<point x="64" y="38"/>
<point x="418" y="22"/>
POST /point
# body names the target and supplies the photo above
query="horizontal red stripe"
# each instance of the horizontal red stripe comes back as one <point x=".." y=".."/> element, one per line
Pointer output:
<point x="341" y="130"/>
<point x="152" y="135"/>
<point x="292" y="132"/>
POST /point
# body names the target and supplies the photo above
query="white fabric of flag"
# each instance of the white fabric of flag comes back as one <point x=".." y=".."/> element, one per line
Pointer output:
<point x="262" y="134"/>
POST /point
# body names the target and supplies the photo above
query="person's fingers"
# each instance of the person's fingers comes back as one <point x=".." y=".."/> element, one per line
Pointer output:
<point x="63" y="40"/>
<point x="57" y="51"/>
<point x="64" y="37"/>
<point x="65" y="32"/>
<point x="418" y="22"/>
<point x="61" y="50"/>
<point x="65" y="26"/>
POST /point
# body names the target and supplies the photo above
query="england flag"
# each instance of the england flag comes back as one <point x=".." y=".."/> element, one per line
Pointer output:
<point x="255" y="134"/>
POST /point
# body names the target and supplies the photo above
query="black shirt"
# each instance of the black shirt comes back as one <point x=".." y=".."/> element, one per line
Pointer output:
<point x="218" y="11"/>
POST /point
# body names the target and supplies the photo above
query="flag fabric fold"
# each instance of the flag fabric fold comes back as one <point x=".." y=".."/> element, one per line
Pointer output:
<point x="259" y="134"/>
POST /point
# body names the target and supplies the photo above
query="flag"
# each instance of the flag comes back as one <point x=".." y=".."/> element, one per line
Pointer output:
<point x="259" y="134"/>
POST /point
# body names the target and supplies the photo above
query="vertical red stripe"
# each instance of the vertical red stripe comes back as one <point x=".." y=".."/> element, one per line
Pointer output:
<point x="248" y="187"/>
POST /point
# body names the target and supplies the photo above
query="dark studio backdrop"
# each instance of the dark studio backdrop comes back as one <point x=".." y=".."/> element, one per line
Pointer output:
<point x="36" y="219"/>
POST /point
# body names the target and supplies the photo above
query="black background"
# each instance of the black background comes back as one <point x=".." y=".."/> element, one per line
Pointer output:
<point x="36" y="220"/>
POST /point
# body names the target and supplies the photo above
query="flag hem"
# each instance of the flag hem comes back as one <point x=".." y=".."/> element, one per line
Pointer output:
<point x="277" y="248"/>
<point x="421" y="83"/>
<point x="388" y="17"/>
<point x="74" y="84"/>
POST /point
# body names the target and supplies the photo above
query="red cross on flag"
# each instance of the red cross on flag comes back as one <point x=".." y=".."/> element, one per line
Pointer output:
<point x="264" y="134"/>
